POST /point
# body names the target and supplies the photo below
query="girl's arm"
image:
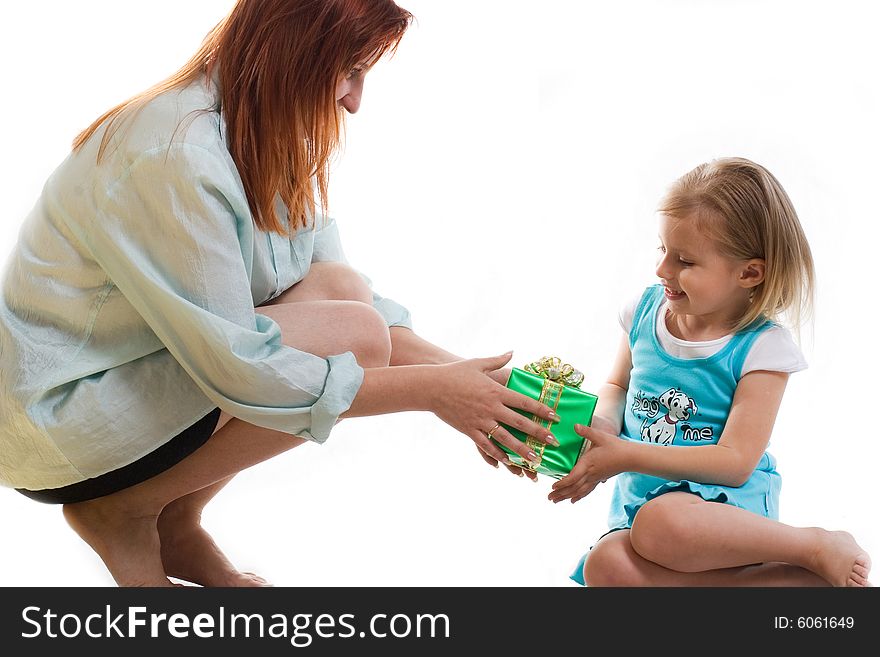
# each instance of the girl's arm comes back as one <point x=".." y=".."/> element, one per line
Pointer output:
<point x="608" y="415"/>
<point x="730" y="462"/>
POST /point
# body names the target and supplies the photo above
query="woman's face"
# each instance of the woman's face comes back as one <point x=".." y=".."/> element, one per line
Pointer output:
<point x="349" y="90"/>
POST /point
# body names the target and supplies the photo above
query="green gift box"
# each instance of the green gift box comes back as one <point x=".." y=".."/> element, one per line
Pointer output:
<point x="555" y="385"/>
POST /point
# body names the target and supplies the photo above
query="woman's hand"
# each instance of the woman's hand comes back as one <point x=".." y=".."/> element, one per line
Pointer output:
<point x="603" y="458"/>
<point x="502" y="376"/>
<point x="469" y="400"/>
<point x="513" y="469"/>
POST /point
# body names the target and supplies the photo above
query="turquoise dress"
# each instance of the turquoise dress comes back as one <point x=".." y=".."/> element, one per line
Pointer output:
<point x="683" y="402"/>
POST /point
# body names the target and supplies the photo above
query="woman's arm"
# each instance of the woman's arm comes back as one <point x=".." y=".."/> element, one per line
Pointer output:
<point x="404" y="386"/>
<point x="730" y="462"/>
<point x="407" y="348"/>
<point x="461" y="394"/>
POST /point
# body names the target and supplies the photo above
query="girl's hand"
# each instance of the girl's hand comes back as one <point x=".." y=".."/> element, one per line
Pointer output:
<point x="468" y="399"/>
<point x="600" y="423"/>
<point x="602" y="459"/>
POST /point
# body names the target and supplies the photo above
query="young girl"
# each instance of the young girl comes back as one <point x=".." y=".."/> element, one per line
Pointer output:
<point x="704" y="365"/>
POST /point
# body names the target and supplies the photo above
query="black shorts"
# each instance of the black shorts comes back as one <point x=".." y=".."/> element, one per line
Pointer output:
<point x="168" y="455"/>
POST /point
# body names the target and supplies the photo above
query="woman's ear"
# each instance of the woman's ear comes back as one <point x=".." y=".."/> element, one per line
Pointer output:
<point x="752" y="273"/>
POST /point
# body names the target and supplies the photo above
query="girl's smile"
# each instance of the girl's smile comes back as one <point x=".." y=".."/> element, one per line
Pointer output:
<point x="706" y="291"/>
<point x="673" y="295"/>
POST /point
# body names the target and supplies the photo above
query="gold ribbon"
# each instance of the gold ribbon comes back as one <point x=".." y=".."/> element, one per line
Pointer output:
<point x="556" y="375"/>
<point x="553" y="369"/>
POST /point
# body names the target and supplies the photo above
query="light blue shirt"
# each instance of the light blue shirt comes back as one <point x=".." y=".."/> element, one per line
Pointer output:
<point x="128" y="305"/>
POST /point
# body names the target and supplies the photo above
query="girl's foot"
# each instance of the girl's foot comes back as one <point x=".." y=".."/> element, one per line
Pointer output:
<point x="128" y="544"/>
<point x="189" y="553"/>
<point x="840" y="560"/>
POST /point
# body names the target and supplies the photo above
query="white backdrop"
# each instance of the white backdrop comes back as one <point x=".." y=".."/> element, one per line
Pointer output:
<point x="504" y="140"/>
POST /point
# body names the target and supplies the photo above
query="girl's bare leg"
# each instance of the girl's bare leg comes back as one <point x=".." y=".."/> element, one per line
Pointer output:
<point x="683" y="532"/>
<point x="614" y="562"/>
<point x="123" y="527"/>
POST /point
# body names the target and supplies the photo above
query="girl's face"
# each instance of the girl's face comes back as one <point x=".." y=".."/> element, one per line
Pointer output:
<point x="700" y="282"/>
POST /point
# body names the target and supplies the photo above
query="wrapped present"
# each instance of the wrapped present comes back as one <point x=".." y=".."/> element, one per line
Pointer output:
<point x="557" y="385"/>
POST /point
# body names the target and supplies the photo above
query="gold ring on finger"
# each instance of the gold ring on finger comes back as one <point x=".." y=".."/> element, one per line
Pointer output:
<point x="493" y="430"/>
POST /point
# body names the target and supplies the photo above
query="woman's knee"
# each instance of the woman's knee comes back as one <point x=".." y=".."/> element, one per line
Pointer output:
<point x="336" y="281"/>
<point x="369" y="337"/>
<point x="661" y="528"/>
<point x="612" y="562"/>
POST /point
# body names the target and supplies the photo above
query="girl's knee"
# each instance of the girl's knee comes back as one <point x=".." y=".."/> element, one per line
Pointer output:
<point x="661" y="527"/>
<point x="339" y="282"/>
<point x="611" y="562"/>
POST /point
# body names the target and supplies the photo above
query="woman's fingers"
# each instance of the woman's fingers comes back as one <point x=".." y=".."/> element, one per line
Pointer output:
<point x="529" y="427"/>
<point x="515" y="399"/>
<point x="488" y="447"/>
<point x="519" y="471"/>
<point x="513" y="469"/>
<point x="495" y="362"/>
<point x="507" y="439"/>
<point x="488" y="459"/>
<point x="501" y="377"/>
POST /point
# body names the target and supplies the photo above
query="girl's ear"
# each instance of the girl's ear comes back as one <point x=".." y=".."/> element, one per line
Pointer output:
<point x="752" y="273"/>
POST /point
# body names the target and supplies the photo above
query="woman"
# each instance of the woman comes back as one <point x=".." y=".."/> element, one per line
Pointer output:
<point x="176" y="310"/>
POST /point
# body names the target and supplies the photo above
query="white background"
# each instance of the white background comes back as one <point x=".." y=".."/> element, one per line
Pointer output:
<point x="500" y="181"/>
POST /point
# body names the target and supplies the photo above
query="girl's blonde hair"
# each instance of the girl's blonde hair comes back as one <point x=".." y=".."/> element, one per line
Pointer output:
<point x="746" y="212"/>
<point x="278" y="63"/>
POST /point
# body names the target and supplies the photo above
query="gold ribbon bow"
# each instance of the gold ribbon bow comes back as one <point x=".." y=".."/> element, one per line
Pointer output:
<point x="553" y="369"/>
<point x="556" y="376"/>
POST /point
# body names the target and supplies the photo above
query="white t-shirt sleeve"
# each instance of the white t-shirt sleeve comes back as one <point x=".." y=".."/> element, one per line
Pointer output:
<point x="775" y="351"/>
<point x="627" y="311"/>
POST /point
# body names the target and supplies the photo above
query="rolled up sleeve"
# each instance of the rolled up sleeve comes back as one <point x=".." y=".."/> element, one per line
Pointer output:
<point x="328" y="248"/>
<point x="175" y="236"/>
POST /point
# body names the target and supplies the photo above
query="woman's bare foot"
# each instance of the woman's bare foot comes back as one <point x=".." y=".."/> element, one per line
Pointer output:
<point x="189" y="553"/>
<point x="840" y="560"/>
<point x="128" y="544"/>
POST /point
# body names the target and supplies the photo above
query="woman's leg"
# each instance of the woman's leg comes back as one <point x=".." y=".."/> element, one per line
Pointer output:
<point x="188" y="551"/>
<point x="123" y="528"/>
<point x="614" y="562"/>
<point x="683" y="532"/>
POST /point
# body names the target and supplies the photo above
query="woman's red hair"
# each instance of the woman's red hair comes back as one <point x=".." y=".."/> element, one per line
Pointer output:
<point x="279" y="62"/>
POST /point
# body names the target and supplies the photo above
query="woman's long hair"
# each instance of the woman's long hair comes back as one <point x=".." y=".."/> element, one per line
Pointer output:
<point x="279" y="62"/>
